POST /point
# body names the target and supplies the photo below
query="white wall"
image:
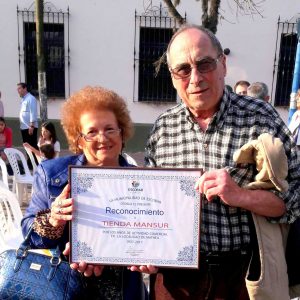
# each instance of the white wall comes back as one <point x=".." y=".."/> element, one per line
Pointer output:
<point x="102" y="45"/>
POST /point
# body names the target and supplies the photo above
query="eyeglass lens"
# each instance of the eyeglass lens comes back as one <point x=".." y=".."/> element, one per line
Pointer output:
<point x="203" y="66"/>
<point x="109" y="133"/>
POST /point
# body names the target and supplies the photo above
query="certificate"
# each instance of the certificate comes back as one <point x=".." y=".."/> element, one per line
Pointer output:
<point x="135" y="216"/>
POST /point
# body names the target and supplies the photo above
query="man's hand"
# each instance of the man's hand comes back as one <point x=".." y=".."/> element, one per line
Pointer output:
<point x="30" y="130"/>
<point x="83" y="267"/>
<point x="149" y="269"/>
<point x="219" y="183"/>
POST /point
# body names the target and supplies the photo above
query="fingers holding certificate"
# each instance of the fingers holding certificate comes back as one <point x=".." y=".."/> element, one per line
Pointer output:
<point x="135" y="216"/>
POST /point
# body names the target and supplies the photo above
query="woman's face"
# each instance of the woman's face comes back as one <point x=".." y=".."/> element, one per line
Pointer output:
<point x="45" y="134"/>
<point x="105" y="149"/>
<point x="2" y="126"/>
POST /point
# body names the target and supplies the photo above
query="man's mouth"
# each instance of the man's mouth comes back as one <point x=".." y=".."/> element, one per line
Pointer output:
<point x="199" y="91"/>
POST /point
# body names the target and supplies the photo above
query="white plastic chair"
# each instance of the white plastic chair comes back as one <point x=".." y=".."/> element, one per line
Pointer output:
<point x="31" y="157"/>
<point x="4" y="172"/>
<point x="129" y="159"/>
<point x="21" y="181"/>
<point x="10" y="220"/>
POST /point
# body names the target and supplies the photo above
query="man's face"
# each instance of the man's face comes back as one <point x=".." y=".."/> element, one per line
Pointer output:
<point x="21" y="91"/>
<point x="201" y="92"/>
<point x="241" y="89"/>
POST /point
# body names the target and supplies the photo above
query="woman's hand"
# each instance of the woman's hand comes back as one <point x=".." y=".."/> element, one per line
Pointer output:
<point x="148" y="269"/>
<point x="61" y="208"/>
<point x="26" y="145"/>
<point x="83" y="267"/>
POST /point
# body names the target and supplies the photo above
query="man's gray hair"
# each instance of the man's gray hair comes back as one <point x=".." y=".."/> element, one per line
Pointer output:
<point x="258" y="90"/>
<point x="215" y="42"/>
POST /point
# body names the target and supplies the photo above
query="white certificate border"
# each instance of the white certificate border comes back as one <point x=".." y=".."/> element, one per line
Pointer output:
<point x="187" y="257"/>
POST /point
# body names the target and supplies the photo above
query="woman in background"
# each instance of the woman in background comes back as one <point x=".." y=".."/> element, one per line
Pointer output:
<point x="47" y="136"/>
<point x="6" y="142"/>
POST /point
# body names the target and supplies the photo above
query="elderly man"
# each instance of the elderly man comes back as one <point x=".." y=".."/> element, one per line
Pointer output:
<point x="204" y="131"/>
<point x="258" y="90"/>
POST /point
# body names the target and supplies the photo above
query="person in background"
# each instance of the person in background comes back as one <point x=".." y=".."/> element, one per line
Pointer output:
<point x="204" y="131"/>
<point x="240" y="87"/>
<point x="294" y="125"/>
<point x="258" y="90"/>
<point x="28" y="117"/>
<point x="47" y="136"/>
<point x="97" y="124"/>
<point x="47" y="151"/>
<point x="5" y="142"/>
<point x="229" y="88"/>
<point x="5" y="135"/>
<point x="1" y="107"/>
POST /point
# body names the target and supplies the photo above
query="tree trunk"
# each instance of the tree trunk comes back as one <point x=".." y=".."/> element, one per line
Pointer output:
<point x="39" y="6"/>
<point x="210" y="17"/>
<point x="173" y="12"/>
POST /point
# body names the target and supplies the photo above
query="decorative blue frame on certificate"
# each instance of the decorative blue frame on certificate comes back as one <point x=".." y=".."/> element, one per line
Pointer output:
<point x="135" y="216"/>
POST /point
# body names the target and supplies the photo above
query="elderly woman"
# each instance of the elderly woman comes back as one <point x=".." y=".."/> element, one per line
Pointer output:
<point x="97" y="124"/>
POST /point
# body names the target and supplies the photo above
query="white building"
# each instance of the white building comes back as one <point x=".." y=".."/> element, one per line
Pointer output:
<point x="109" y="43"/>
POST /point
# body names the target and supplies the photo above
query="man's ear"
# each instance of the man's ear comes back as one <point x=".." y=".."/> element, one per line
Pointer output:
<point x="173" y="81"/>
<point x="224" y="65"/>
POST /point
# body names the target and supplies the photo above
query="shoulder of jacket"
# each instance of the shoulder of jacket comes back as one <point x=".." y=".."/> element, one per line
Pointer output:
<point x="57" y="165"/>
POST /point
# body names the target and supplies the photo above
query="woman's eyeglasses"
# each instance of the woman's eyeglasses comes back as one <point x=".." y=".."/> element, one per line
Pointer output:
<point x="92" y="136"/>
<point x="204" y="65"/>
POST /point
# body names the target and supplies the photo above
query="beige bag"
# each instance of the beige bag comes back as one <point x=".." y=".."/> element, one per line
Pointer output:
<point x="273" y="281"/>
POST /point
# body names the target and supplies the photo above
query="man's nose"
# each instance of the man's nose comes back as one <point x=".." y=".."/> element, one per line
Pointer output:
<point x="196" y="76"/>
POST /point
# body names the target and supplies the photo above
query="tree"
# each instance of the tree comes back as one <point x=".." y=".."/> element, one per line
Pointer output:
<point x="210" y="10"/>
<point x="39" y="6"/>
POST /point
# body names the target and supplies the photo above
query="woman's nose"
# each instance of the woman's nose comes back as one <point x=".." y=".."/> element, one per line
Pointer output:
<point x="101" y="137"/>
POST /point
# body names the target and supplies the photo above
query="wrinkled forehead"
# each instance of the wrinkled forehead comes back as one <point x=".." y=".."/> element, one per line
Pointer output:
<point x="189" y="46"/>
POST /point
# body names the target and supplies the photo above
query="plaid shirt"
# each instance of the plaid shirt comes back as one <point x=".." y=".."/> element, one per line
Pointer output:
<point x="177" y="141"/>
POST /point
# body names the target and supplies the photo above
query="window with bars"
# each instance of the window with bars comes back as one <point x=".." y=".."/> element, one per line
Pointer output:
<point x="152" y="86"/>
<point x="54" y="58"/>
<point x="56" y="50"/>
<point x="285" y="55"/>
<point x="153" y="31"/>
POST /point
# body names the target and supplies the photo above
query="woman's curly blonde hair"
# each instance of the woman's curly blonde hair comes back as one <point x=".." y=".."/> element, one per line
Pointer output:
<point x="93" y="99"/>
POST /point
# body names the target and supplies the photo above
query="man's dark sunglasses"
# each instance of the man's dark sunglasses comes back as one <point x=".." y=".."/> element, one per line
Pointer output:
<point x="204" y="65"/>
